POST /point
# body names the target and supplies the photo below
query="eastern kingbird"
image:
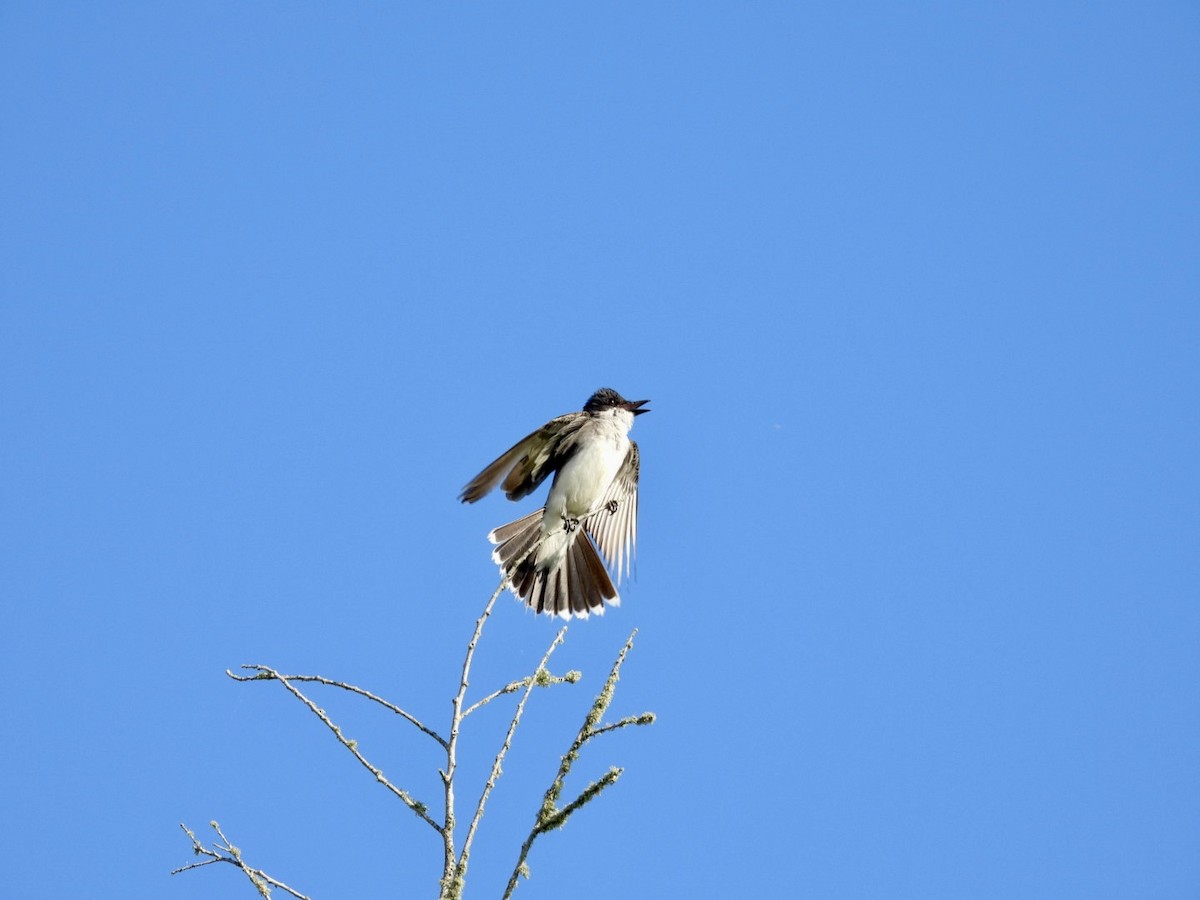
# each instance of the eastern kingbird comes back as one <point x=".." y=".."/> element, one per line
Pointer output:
<point x="548" y="557"/>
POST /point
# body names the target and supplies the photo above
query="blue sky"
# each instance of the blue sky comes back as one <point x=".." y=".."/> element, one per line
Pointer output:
<point x="914" y="290"/>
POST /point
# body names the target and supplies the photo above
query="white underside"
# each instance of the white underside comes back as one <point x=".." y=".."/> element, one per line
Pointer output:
<point x="581" y="483"/>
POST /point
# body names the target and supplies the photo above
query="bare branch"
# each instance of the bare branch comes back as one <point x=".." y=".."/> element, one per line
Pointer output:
<point x="451" y="883"/>
<point x="559" y="819"/>
<point x="644" y="719"/>
<point x="588" y="730"/>
<point x="546" y="680"/>
<point x="511" y="688"/>
<point x="540" y="676"/>
<point x="226" y="852"/>
<point x="551" y="816"/>
<point x="266" y="674"/>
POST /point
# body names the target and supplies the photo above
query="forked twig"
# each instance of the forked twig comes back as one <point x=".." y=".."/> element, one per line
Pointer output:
<point x="268" y="674"/>
<point x="550" y="815"/>
<point x="454" y="868"/>
<point x="452" y="879"/>
<point x="226" y="852"/>
<point x="540" y="676"/>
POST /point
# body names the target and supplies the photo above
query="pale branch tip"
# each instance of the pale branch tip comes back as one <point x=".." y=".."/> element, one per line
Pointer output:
<point x="542" y="679"/>
<point x="549" y="815"/>
<point x="536" y="679"/>
<point x="266" y="673"/>
<point x="226" y="852"/>
<point x="589" y="793"/>
<point x="415" y="805"/>
<point x="647" y="718"/>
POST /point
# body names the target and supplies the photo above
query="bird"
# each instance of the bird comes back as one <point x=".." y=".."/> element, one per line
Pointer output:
<point x="551" y="558"/>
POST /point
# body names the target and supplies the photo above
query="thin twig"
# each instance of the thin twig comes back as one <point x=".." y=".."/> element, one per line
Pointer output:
<point x="537" y="678"/>
<point x="588" y="730"/>
<point x="545" y="679"/>
<point x="551" y="816"/>
<point x="643" y="719"/>
<point x="559" y="818"/>
<point x="451" y="884"/>
<point x="354" y="689"/>
<point x="228" y="853"/>
<point x="415" y="805"/>
<point x="511" y="688"/>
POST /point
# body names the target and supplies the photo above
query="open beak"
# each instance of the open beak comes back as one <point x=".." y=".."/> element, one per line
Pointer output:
<point x="635" y="406"/>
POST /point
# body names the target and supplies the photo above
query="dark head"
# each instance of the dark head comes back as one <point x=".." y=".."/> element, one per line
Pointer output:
<point x="606" y="399"/>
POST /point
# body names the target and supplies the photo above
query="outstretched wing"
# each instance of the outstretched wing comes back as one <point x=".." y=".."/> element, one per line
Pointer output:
<point x="528" y="462"/>
<point x="615" y="531"/>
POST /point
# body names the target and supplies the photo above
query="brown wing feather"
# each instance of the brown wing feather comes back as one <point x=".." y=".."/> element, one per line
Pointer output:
<point x="527" y="463"/>
<point x="547" y="454"/>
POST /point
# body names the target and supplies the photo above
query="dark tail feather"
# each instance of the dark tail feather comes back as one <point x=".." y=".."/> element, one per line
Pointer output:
<point x="584" y="555"/>
<point x="516" y="540"/>
<point x="579" y="586"/>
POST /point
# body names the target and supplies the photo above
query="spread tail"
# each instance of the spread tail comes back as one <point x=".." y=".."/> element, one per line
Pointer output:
<point x="549" y="577"/>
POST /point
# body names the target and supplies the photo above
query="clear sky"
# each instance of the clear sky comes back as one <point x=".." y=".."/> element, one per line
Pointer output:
<point x="915" y="292"/>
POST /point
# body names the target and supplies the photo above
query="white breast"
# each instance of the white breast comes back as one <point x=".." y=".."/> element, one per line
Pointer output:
<point x="587" y="474"/>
